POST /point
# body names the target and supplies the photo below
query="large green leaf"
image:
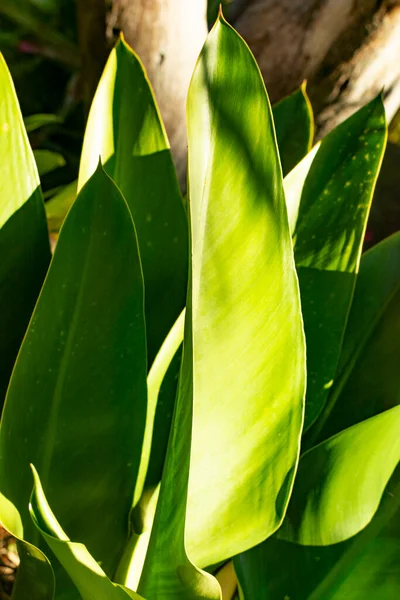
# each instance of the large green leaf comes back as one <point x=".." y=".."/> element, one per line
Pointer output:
<point x="366" y="566"/>
<point x="125" y="129"/>
<point x="368" y="380"/>
<point x="24" y="243"/>
<point x="85" y="572"/>
<point x="328" y="238"/>
<point x="243" y="357"/>
<point x="294" y="127"/>
<point x="76" y="405"/>
<point x="168" y="572"/>
<point x="340" y="482"/>
<point x="248" y="343"/>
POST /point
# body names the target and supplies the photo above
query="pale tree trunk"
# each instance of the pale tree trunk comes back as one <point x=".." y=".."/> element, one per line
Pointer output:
<point x="348" y="50"/>
<point x="168" y="36"/>
<point x="91" y="17"/>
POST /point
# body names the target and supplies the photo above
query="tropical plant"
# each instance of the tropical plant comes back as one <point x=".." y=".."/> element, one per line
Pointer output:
<point x="153" y="463"/>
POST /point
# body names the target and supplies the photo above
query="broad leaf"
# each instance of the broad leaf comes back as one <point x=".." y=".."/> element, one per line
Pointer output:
<point x="340" y="482"/>
<point x="366" y="566"/>
<point x="294" y="127"/>
<point x="243" y="356"/>
<point x="24" y="243"/>
<point x="85" y="572"/>
<point x="248" y="344"/>
<point x="168" y="572"/>
<point x="125" y="129"/>
<point x="328" y="239"/>
<point x="80" y="377"/>
<point x="368" y="380"/>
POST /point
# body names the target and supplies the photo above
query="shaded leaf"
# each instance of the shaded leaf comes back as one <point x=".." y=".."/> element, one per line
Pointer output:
<point x="80" y="376"/>
<point x="328" y="238"/>
<point x="85" y="572"/>
<point x="368" y="380"/>
<point x="294" y="127"/>
<point x="24" y="243"/>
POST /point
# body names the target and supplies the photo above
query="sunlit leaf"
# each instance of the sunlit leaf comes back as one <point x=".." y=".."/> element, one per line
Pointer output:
<point x="243" y="357"/>
<point x="366" y="566"/>
<point x="248" y="361"/>
<point x="125" y="129"/>
<point x="340" y="482"/>
<point x="293" y="185"/>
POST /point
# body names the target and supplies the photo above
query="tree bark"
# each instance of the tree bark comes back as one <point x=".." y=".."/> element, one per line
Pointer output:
<point x="168" y="36"/>
<point x="348" y="50"/>
<point x="91" y="16"/>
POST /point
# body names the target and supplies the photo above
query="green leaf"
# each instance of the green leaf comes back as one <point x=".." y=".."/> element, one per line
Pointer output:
<point x="48" y="161"/>
<point x="243" y="357"/>
<point x="340" y="482"/>
<point x="368" y="379"/>
<point x="168" y="572"/>
<point x="248" y="344"/>
<point x="76" y="405"/>
<point x="294" y="127"/>
<point x="24" y="242"/>
<point x="125" y="129"/>
<point x="34" y="122"/>
<point x="85" y="572"/>
<point x="328" y="238"/>
<point x="366" y="566"/>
